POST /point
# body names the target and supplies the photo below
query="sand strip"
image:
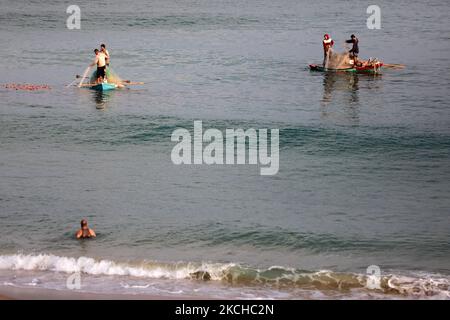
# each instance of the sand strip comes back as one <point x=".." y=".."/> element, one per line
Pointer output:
<point x="14" y="293"/>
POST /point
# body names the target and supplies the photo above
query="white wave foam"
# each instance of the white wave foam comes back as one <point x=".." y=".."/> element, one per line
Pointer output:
<point x="49" y="262"/>
<point x="425" y="286"/>
<point x="417" y="285"/>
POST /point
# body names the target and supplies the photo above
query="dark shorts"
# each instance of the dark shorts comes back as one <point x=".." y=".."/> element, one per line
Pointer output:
<point x="101" y="72"/>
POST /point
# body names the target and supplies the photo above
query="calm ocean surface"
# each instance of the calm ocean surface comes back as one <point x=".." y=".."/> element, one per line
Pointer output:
<point x="364" y="161"/>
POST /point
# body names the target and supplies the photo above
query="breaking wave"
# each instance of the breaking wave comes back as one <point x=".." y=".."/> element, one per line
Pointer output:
<point x="408" y="285"/>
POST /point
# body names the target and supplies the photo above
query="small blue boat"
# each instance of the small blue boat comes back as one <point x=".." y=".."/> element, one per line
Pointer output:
<point x="103" y="87"/>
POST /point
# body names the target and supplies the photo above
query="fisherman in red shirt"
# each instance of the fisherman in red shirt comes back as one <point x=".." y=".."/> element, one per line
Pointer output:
<point x="327" y="44"/>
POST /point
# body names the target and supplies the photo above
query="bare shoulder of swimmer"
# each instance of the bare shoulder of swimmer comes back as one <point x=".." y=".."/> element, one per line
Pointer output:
<point x="92" y="233"/>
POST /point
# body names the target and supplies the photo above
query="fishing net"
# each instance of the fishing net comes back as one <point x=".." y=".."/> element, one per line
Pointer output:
<point x="84" y="76"/>
<point x="337" y="60"/>
<point x="111" y="76"/>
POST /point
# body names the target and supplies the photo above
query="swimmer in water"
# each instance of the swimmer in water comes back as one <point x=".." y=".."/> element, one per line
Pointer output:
<point x="85" y="231"/>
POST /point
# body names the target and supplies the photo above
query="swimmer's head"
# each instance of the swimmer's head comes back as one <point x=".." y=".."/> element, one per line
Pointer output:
<point x="83" y="223"/>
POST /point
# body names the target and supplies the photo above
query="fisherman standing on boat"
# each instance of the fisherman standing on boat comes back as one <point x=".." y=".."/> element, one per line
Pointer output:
<point x="327" y="44"/>
<point x="100" y="61"/>
<point x="106" y="52"/>
<point x="354" y="51"/>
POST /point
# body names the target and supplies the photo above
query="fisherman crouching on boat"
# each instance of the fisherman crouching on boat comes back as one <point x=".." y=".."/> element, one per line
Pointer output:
<point x="354" y="51"/>
<point x="100" y="61"/>
<point x="327" y="44"/>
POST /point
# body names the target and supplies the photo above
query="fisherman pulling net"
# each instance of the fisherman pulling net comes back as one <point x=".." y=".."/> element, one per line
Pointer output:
<point x="103" y="72"/>
<point x="103" y="75"/>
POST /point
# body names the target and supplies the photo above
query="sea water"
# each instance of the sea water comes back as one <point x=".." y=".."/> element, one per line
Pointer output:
<point x="364" y="161"/>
